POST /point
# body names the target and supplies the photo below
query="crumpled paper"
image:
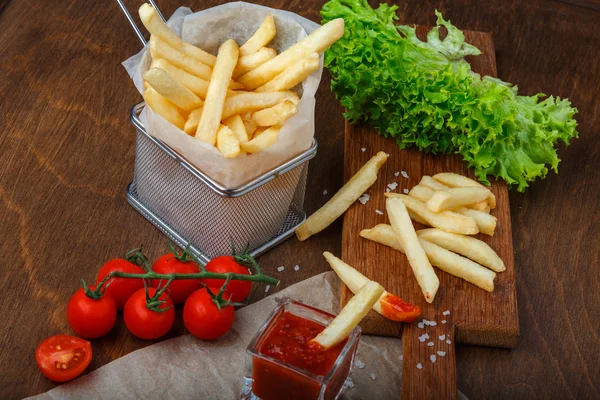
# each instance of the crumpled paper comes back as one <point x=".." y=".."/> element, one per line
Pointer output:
<point x="208" y="29"/>
<point x="188" y="368"/>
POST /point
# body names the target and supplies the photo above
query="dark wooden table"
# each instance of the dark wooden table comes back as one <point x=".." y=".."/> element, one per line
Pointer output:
<point x="66" y="155"/>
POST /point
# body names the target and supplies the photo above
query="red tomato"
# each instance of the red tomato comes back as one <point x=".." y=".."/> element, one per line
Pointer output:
<point x="203" y="318"/>
<point x="91" y="318"/>
<point x="63" y="357"/>
<point x="121" y="288"/>
<point x="179" y="290"/>
<point x="144" y="322"/>
<point x="239" y="289"/>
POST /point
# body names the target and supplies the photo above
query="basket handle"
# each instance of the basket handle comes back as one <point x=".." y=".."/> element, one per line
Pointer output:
<point x="136" y="29"/>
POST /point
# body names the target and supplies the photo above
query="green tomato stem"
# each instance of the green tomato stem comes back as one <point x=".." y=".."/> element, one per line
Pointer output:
<point x="199" y="275"/>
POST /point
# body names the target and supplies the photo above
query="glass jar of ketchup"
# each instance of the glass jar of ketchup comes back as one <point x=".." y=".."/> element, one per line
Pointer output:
<point x="281" y="363"/>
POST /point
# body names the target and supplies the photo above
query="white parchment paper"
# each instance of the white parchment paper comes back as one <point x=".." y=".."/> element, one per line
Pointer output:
<point x="188" y="368"/>
<point x="208" y="29"/>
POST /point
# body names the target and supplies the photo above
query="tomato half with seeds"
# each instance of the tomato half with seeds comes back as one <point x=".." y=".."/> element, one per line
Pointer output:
<point x="120" y="288"/>
<point x="179" y="290"/>
<point x="239" y="289"/>
<point x="63" y="357"/>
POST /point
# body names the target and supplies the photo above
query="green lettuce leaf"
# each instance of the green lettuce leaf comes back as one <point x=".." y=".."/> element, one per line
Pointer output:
<point x="424" y="94"/>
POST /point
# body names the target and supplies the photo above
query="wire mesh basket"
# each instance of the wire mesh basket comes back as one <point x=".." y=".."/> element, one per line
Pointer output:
<point x="189" y="207"/>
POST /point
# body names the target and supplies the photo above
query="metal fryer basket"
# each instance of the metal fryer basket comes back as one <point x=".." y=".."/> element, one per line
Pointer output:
<point x="189" y="207"/>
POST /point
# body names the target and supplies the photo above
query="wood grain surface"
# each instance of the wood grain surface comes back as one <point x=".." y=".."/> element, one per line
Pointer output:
<point x="66" y="155"/>
<point x="476" y="316"/>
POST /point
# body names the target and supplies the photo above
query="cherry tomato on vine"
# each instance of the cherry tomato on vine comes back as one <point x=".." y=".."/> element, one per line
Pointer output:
<point x="170" y="263"/>
<point x="203" y="318"/>
<point x="120" y="288"/>
<point x="147" y="323"/>
<point x="239" y="289"/>
<point x="63" y="357"/>
<point x="91" y="318"/>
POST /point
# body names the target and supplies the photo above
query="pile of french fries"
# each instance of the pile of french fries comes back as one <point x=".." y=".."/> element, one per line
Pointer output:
<point x="237" y="100"/>
<point x="455" y="206"/>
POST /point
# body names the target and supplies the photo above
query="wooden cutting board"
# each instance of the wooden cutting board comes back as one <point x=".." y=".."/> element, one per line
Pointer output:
<point x="476" y="316"/>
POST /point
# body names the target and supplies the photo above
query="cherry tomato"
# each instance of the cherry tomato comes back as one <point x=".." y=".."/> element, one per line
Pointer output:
<point x="179" y="290"/>
<point x="144" y="322"/>
<point x="91" y="318"/>
<point x="63" y="357"/>
<point x="203" y="318"/>
<point x="239" y="289"/>
<point x="121" y="288"/>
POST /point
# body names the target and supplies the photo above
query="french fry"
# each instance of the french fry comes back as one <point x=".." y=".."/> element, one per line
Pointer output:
<point x="293" y="75"/>
<point x="192" y="82"/>
<point x="261" y="140"/>
<point x="389" y="305"/>
<point x="443" y="259"/>
<point x="467" y="246"/>
<point x="432" y="184"/>
<point x="227" y="142"/>
<point x="155" y="25"/>
<point x="486" y="223"/>
<point x="250" y="101"/>
<point x="263" y="35"/>
<point x="217" y="90"/>
<point x="483" y="206"/>
<point x="455" y="180"/>
<point x="192" y="122"/>
<point x="160" y="49"/>
<point x="406" y="235"/>
<point x="249" y="124"/>
<point x="456" y="197"/>
<point x="171" y="90"/>
<point x="236" y="125"/>
<point x="254" y="60"/>
<point x="350" y="316"/>
<point x="275" y="115"/>
<point x="317" y="41"/>
<point x="343" y="199"/>
<point x="446" y="220"/>
<point x="164" y="107"/>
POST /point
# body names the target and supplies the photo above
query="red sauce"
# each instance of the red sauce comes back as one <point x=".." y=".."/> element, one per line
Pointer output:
<point x="288" y="342"/>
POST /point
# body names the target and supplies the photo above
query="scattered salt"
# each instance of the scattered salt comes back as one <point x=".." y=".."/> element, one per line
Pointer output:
<point x="364" y="198"/>
<point x="405" y="191"/>
<point x="404" y="174"/>
<point x="325" y="192"/>
<point x="267" y="288"/>
<point x="297" y="268"/>
<point x="393" y="185"/>
<point x="279" y="269"/>
<point x="430" y="344"/>
<point x="432" y="323"/>
<point x="396" y="173"/>
<point x="441" y="353"/>
<point x="448" y="341"/>
<point x="379" y="212"/>
<point x="420" y="366"/>
<point x="423" y="337"/>
<point x="401" y="358"/>
<point x="372" y="375"/>
<point x="443" y="321"/>
<point x="349" y="383"/>
<point x="447" y="312"/>
<point x="363" y="149"/>
<point x="442" y="337"/>
<point x="360" y="364"/>
<point x="432" y="358"/>
<point x="387" y="154"/>
<point x="387" y="190"/>
<point x="421" y="325"/>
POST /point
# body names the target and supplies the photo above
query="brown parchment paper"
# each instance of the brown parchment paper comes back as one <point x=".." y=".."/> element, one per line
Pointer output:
<point x="188" y="368"/>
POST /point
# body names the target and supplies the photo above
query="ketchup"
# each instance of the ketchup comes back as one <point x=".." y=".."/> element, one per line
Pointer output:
<point x="288" y="341"/>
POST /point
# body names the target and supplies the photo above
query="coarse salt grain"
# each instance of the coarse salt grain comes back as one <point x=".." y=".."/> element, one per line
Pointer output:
<point x="360" y="364"/>
<point x="442" y="337"/>
<point x="267" y="288"/>
<point x="364" y="198"/>
<point x="404" y="174"/>
<point x="448" y="341"/>
<point x="279" y="269"/>
<point x="297" y="268"/>
<point x="432" y="358"/>
<point x="393" y="185"/>
<point x="421" y="325"/>
<point x="443" y="321"/>
<point x="447" y="312"/>
<point x="401" y="358"/>
<point x="430" y="344"/>
<point x="363" y="149"/>
<point x="324" y="192"/>
<point x="387" y="190"/>
<point x="349" y="383"/>
<point x="441" y="353"/>
<point x="432" y="323"/>
<point x="420" y="366"/>
<point x="372" y="375"/>
<point x="423" y="337"/>
<point x="396" y="173"/>
<point x="405" y="191"/>
<point x="379" y="212"/>
<point x="387" y="154"/>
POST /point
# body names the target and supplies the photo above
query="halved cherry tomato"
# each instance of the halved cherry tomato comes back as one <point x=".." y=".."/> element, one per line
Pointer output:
<point x="120" y="288"/>
<point x="144" y="322"/>
<point x="179" y="290"/>
<point x="63" y="357"/>
<point x="203" y="318"/>
<point x="239" y="289"/>
<point x="90" y="318"/>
